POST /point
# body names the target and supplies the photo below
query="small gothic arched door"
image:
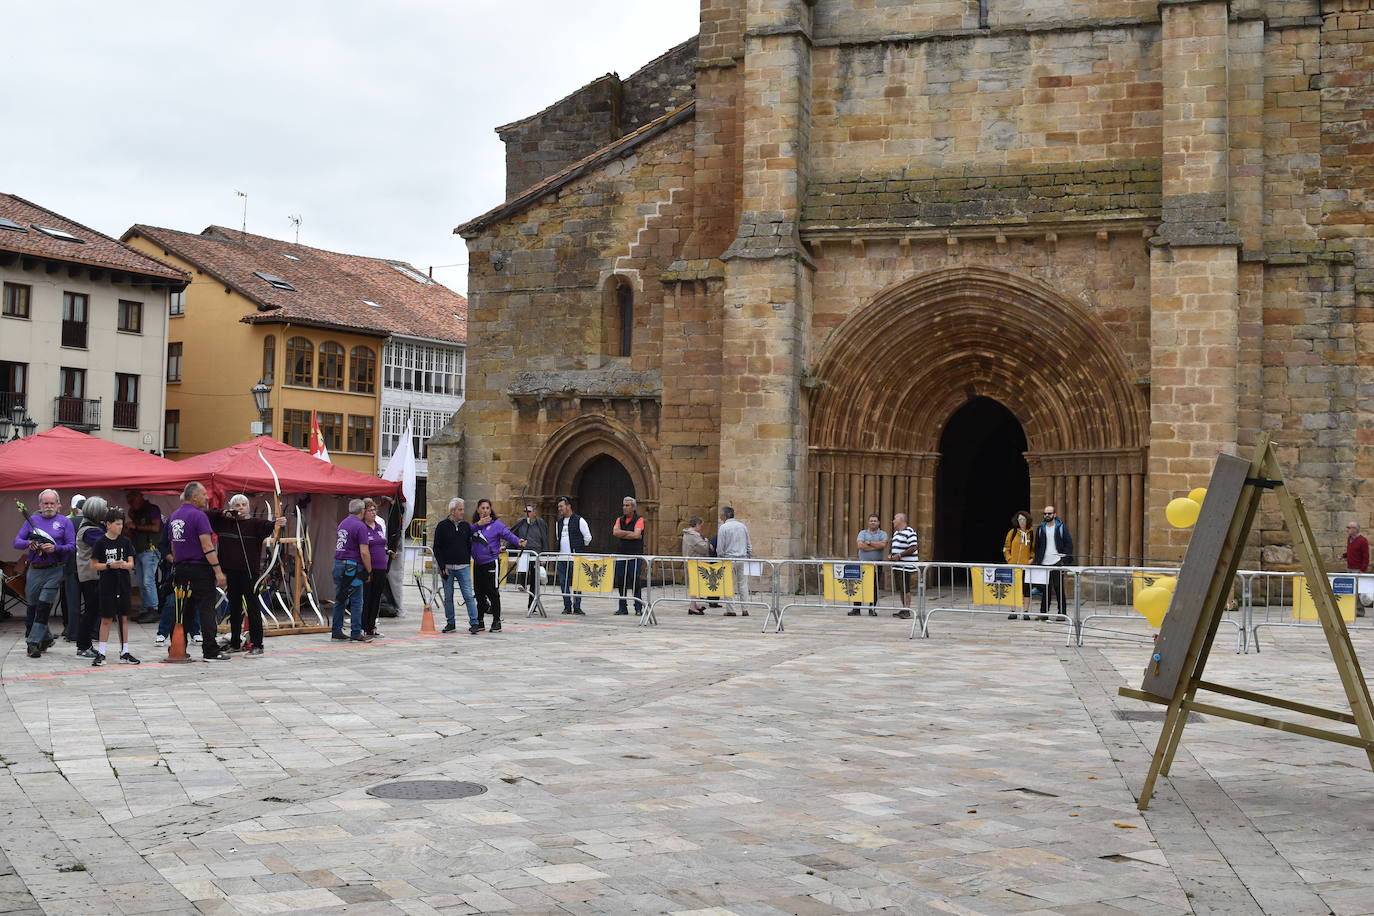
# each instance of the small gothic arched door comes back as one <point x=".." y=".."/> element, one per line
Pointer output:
<point x="601" y="485"/>
<point x="981" y="480"/>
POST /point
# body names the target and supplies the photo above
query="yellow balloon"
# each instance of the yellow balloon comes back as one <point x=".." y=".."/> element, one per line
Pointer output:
<point x="1153" y="604"/>
<point x="1198" y="495"/>
<point x="1167" y="582"/>
<point x="1182" y="512"/>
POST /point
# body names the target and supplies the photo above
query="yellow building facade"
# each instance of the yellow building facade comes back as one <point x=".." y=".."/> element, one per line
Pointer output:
<point x="310" y="324"/>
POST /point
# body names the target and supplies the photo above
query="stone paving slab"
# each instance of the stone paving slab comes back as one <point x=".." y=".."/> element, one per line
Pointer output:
<point x="697" y="767"/>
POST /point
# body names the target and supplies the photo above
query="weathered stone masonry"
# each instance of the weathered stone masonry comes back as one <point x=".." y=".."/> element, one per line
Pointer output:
<point x="1142" y="227"/>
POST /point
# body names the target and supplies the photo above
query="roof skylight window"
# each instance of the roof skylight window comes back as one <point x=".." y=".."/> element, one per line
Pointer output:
<point x="56" y="233"/>
<point x="276" y="281"/>
<point x="291" y="257"/>
<point x="11" y="225"/>
<point x="411" y="272"/>
<point x="369" y="302"/>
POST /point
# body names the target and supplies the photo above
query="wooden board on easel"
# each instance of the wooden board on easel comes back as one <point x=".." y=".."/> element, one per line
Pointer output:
<point x="1174" y="674"/>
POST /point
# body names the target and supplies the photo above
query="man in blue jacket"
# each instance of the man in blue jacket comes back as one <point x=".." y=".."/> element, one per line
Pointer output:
<point x="1053" y="547"/>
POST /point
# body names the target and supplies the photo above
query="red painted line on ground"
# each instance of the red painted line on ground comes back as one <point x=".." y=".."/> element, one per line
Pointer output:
<point x="115" y="666"/>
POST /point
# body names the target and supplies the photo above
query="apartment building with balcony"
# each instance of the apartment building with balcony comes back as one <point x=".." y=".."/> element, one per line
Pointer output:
<point x="83" y="328"/>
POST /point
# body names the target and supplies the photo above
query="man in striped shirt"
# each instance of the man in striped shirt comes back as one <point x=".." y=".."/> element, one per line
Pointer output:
<point x="903" y="547"/>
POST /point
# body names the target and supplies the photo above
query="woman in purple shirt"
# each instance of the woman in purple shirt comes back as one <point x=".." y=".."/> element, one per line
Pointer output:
<point x="488" y="534"/>
<point x="381" y="559"/>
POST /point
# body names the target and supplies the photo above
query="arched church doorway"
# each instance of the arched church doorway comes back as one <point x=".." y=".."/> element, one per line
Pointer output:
<point x="601" y="485"/>
<point x="981" y="480"/>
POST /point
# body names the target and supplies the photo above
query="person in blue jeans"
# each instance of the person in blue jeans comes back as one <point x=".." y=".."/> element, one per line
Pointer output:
<point x="143" y="528"/>
<point x="453" y="556"/>
<point x="352" y="567"/>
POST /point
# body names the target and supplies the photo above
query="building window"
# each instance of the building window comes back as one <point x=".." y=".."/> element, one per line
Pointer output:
<point x="331" y="366"/>
<point x="131" y="316"/>
<point x="176" y="306"/>
<point x="425" y="423"/>
<point x="362" y="375"/>
<point x="71" y="407"/>
<point x="359" y="433"/>
<point x="174" y="361"/>
<point x="14" y="378"/>
<point x="296" y="428"/>
<point x="422" y="367"/>
<point x="126" y="401"/>
<point x="171" y="430"/>
<point x="17" y="298"/>
<point x="331" y="430"/>
<point x="76" y="312"/>
<point x="625" y="310"/>
<point x="300" y="355"/>
<point x="73" y="383"/>
<point x="269" y="358"/>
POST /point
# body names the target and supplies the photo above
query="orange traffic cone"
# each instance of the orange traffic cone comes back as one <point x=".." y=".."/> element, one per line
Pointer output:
<point x="176" y="646"/>
<point x="427" y="622"/>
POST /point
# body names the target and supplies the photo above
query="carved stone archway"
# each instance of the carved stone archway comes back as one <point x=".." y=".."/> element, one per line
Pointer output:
<point x="899" y="367"/>
<point x="574" y="445"/>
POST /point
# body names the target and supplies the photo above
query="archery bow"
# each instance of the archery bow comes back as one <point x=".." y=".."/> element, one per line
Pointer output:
<point x="276" y="541"/>
<point x="303" y="545"/>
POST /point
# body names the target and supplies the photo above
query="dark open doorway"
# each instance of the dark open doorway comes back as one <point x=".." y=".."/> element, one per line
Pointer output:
<point x="982" y="480"/>
<point x="601" y="486"/>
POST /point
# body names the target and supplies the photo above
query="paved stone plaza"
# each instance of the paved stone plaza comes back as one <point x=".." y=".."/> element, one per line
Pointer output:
<point x="696" y="768"/>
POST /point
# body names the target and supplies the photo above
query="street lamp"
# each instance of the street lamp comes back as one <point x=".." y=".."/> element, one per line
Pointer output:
<point x="262" y="393"/>
<point x="19" y="424"/>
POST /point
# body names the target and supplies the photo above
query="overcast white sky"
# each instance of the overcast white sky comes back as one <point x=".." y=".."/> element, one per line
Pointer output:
<point x="372" y="119"/>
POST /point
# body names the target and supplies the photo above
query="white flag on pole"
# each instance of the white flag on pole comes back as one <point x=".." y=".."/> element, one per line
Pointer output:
<point x="401" y="467"/>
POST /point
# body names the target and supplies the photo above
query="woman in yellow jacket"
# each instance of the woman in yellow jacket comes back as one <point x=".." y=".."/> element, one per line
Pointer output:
<point x="1019" y="550"/>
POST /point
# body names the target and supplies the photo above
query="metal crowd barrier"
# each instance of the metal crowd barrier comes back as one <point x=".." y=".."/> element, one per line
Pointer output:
<point x="1280" y="599"/>
<point x="732" y="584"/>
<point x="847" y="585"/>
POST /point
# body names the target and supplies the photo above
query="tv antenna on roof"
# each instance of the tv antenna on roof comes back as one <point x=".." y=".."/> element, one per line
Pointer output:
<point x="244" y="195"/>
<point x="296" y="219"/>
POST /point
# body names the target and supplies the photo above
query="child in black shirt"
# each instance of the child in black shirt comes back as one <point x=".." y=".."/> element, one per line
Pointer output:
<point x="113" y="557"/>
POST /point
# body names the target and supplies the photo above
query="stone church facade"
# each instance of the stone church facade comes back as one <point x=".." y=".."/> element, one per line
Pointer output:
<point x="946" y="257"/>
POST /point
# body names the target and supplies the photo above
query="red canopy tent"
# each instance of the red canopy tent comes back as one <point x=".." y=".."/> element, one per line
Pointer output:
<point x="240" y="469"/>
<point x="64" y="459"/>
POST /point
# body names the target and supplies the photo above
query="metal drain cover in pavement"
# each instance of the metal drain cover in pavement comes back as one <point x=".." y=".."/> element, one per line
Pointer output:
<point x="427" y="789"/>
<point x="1149" y="715"/>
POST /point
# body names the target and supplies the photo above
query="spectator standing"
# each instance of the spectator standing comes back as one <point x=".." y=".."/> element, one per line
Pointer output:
<point x="113" y="560"/>
<point x="376" y="577"/>
<point x="695" y="545"/>
<point x="453" y="556"/>
<point x="572" y="537"/>
<point x="872" y="542"/>
<point x="1053" y="547"/>
<point x="1019" y="550"/>
<point x="195" y="564"/>
<point x="352" y="568"/>
<point x="90" y="530"/>
<point x="241" y="538"/>
<point x="70" y="592"/>
<point x="1356" y="558"/>
<point x="48" y="539"/>
<point x="628" y="531"/>
<point x="732" y="542"/>
<point x="905" y="547"/>
<point x="534" y="531"/>
<point x="489" y="537"/>
<point x="142" y="528"/>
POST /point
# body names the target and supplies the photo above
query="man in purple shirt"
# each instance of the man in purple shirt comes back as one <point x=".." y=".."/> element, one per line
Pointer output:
<point x="195" y="564"/>
<point x="49" y="539"/>
<point x="352" y="567"/>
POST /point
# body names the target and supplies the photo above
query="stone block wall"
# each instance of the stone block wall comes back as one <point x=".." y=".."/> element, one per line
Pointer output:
<point x="1012" y="99"/>
<point x="594" y="116"/>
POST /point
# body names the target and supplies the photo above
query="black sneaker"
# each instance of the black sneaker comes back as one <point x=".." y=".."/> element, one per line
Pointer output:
<point x="256" y="650"/>
<point x="567" y="611"/>
<point x="450" y="628"/>
<point x="361" y="637"/>
<point x="473" y="631"/>
<point x="229" y="647"/>
<point x="578" y="612"/>
<point x="338" y="636"/>
<point x="855" y="613"/>
<point x="496" y="629"/>
<point x="98" y="660"/>
<point x="85" y="653"/>
<point x="621" y="613"/>
<point x="35" y="650"/>
<point x="373" y="634"/>
<point x="902" y="615"/>
<point x="128" y="659"/>
<point x="872" y="612"/>
<point x="221" y="657"/>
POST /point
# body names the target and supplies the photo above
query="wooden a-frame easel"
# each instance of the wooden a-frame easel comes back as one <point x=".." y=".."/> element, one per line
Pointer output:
<point x="1200" y="601"/>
